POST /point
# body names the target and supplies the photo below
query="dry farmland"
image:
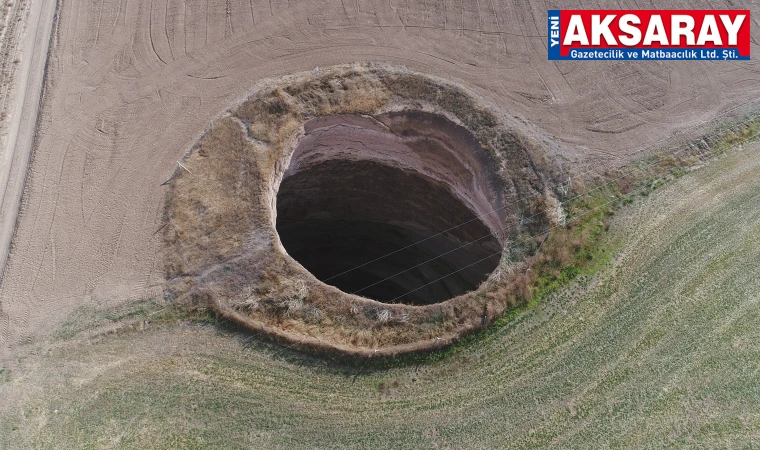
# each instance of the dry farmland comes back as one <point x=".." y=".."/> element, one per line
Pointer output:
<point x="656" y="348"/>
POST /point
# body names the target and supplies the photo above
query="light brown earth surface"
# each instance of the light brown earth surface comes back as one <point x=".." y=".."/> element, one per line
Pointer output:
<point x="132" y="85"/>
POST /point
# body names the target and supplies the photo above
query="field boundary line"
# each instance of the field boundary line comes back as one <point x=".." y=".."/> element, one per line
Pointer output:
<point x="23" y="136"/>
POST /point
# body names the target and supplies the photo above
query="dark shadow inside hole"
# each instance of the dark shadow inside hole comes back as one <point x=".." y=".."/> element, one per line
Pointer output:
<point x="386" y="233"/>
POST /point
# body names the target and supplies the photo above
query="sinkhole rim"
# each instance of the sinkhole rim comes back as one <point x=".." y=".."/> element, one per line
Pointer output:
<point x="222" y="249"/>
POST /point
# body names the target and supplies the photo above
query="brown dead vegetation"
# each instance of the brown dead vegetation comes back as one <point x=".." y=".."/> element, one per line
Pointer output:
<point x="206" y="219"/>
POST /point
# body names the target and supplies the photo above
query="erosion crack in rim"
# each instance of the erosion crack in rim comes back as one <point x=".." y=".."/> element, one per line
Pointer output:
<point x="314" y="176"/>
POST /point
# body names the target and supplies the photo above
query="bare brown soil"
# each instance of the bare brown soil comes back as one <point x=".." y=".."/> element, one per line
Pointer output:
<point x="132" y="85"/>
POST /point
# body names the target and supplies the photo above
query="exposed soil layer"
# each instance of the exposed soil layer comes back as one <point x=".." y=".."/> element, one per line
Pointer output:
<point x="401" y="208"/>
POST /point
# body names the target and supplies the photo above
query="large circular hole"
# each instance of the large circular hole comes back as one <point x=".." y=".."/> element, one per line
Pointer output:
<point x="415" y="201"/>
<point x="400" y="208"/>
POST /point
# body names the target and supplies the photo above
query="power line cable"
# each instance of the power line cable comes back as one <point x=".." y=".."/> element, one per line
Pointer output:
<point x="422" y="263"/>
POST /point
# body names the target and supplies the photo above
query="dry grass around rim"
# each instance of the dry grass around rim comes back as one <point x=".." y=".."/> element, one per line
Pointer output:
<point x="222" y="253"/>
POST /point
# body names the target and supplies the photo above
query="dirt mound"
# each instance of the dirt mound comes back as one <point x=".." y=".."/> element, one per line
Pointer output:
<point x="381" y="183"/>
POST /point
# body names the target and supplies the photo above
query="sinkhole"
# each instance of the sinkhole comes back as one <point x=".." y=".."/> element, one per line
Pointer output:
<point x="400" y="207"/>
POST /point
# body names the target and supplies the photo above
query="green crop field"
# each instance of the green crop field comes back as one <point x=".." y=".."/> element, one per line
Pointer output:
<point x="659" y="348"/>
